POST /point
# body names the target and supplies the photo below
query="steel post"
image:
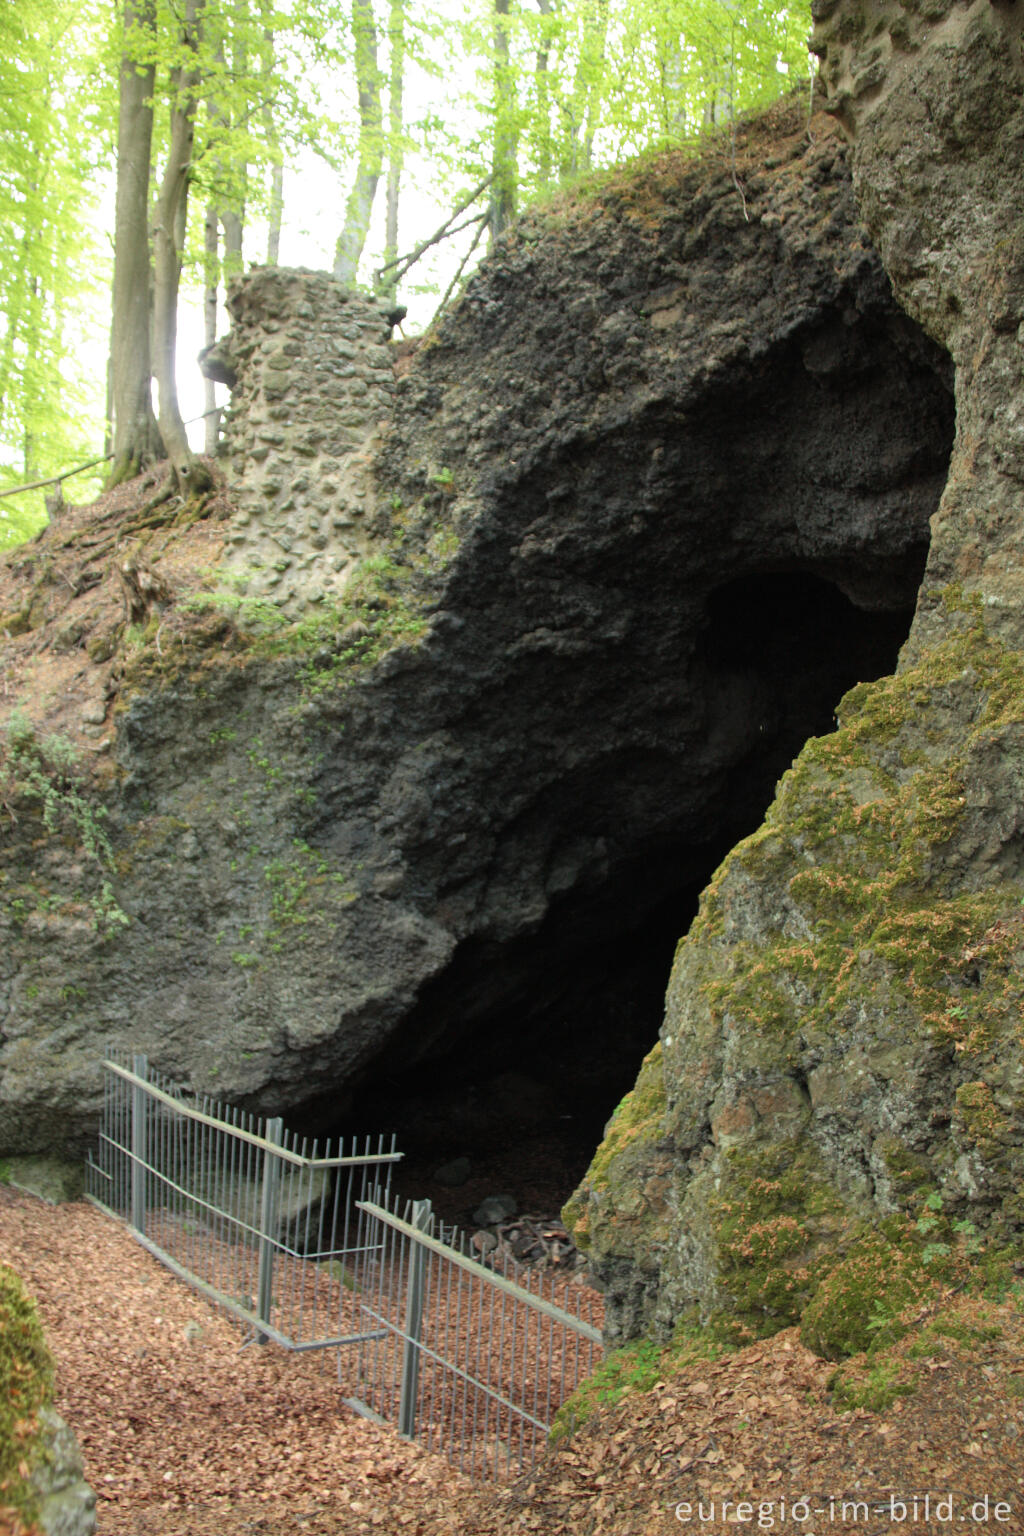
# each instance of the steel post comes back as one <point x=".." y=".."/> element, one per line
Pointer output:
<point x="274" y="1133"/>
<point x="422" y="1219"/>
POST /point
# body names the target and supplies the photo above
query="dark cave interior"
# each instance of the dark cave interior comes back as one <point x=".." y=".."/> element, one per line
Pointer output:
<point x="534" y="1041"/>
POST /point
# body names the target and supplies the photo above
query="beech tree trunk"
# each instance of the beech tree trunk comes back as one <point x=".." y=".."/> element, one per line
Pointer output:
<point x="276" y="206"/>
<point x="135" y="440"/>
<point x="190" y="474"/>
<point x="544" y="153"/>
<point x="585" y="104"/>
<point x="505" y="157"/>
<point x="211" y="253"/>
<point x="371" y="146"/>
<point x="396" y="44"/>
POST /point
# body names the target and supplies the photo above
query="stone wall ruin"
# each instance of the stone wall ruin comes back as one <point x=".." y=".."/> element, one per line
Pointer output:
<point x="312" y="379"/>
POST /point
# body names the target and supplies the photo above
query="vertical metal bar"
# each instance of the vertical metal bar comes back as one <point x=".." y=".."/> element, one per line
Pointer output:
<point x="421" y="1219"/>
<point x="140" y="1099"/>
<point x="274" y="1132"/>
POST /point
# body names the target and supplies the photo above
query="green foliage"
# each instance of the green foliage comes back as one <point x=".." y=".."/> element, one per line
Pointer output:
<point x="873" y="1295"/>
<point x="26" y="1381"/>
<point x="770" y="1204"/>
<point x="876" y="1390"/>
<point x="52" y="271"/>
<point x="544" y="98"/>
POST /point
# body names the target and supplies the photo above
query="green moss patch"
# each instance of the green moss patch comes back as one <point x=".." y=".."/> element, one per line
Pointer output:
<point x="858" y="832"/>
<point x="772" y="1215"/>
<point x="965" y="1332"/>
<point x="860" y="1302"/>
<point x="638" y="1121"/>
<point x="635" y="1368"/>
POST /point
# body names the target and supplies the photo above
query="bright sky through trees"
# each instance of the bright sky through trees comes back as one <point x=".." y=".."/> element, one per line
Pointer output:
<point x="308" y="119"/>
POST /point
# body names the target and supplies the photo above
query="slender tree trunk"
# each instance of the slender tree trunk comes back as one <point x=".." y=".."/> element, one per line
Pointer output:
<point x="545" y="159"/>
<point x="276" y="208"/>
<point x="396" y="43"/>
<point x="168" y="233"/>
<point x="135" y="440"/>
<point x="505" y="152"/>
<point x="585" y="101"/>
<point x="211" y="253"/>
<point x="371" y="146"/>
<point x="275" y="214"/>
<point x="233" y="214"/>
<point x="595" y="90"/>
<point x="231" y="220"/>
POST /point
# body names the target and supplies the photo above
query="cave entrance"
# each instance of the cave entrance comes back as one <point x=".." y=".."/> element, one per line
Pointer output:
<point x="514" y="1059"/>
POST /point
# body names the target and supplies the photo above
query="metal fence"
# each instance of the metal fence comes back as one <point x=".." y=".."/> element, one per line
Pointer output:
<point x="473" y="1361"/>
<point x="301" y="1244"/>
<point x="264" y="1226"/>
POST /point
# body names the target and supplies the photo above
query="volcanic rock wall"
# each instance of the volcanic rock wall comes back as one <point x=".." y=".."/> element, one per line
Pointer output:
<point x="655" y="494"/>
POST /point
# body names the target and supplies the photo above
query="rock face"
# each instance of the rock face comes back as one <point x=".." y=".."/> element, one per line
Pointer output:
<point x="655" y="495"/>
<point x="66" y="1503"/>
<point x="842" y="1031"/>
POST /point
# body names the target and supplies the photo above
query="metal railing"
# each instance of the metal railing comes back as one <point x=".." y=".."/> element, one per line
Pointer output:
<point x="472" y="1361"/>
<point x="267" y="1228"/>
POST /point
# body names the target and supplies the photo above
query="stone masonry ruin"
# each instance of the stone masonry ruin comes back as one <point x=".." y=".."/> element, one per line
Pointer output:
<point x="312" y="379"/>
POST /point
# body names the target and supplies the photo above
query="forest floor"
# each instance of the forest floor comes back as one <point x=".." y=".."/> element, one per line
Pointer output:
<point x="186" y="1433"/>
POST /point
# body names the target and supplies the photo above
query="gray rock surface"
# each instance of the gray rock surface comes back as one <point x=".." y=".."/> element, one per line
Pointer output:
<point x="312" y="380"/>
<point x="67" y="1505"/>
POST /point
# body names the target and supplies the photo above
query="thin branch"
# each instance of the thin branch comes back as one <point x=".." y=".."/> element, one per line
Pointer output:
<point x="37" y="485"/>
<point x="481" y="223"/>
<point x="405" y="262"/>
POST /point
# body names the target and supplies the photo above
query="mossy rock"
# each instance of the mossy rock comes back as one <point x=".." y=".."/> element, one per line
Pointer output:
<point x="858" y="1304"/>
<point x="26" y="1380"/>
<point x="776" y="1221"/>
<point x="48" y="1178"/>
<point x="616" y="1176"/>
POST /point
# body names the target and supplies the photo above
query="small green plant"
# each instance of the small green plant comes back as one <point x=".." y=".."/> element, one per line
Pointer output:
<point x="260" y="761"/>
<point x="635" y="1367"/>
<point x="252" y="615"/>
<point x="43" y="772"/>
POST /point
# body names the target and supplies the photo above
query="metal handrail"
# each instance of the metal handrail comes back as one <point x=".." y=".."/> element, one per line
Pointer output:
<point x="181" y="1108"/>
<point x="453" y="1256"/>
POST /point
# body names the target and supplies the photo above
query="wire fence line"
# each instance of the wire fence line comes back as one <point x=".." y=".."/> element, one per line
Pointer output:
<point x="299" y="1242"/>
<point x="473" y="1361"/>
